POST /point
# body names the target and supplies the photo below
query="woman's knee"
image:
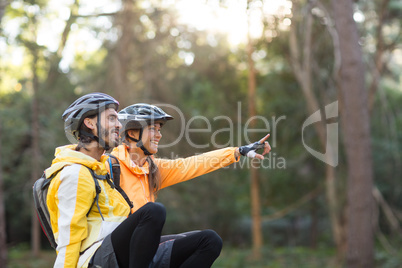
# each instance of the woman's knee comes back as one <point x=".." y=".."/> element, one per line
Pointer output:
<point x="214" y="241"/>
<point x="155" y="212"/>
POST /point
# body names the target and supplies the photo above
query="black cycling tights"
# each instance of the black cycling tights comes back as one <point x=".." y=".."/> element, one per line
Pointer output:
<point x="136" y="239"/>
<point x="196" y="250"/>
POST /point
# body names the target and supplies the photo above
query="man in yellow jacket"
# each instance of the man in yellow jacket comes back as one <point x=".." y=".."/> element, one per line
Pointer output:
<point x="101" y="233"/>
<point x="142" y="175"/>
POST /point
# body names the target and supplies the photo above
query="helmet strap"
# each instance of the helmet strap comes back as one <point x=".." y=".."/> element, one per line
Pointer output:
<point x="141" y="145"/>
<point x="134" y="139"/>
<point x="139" y="142"/>
<point x="92" y="136"/>
<point x="98" y="138"/>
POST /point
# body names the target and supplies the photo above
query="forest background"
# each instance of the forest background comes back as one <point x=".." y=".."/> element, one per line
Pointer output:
<point x="328" y="195"/>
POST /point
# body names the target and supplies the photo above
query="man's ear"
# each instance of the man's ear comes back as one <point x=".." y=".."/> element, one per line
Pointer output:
<point x="90" y="123"/>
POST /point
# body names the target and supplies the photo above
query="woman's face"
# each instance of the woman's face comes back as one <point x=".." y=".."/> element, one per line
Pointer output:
<point x="151" y="136"/>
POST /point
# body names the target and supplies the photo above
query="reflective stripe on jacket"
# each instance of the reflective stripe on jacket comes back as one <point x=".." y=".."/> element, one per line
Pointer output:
<point x="134" y="179"/>
<point x="70" y="197"/>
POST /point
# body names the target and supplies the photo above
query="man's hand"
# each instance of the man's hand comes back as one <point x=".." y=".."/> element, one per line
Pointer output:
<point x="250" y="150"/>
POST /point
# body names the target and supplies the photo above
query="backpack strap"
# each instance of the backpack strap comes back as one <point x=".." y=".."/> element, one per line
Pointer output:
<point x="114" y="165"/>
<point x="98" y="190"/>
<point x="115" y="172"/>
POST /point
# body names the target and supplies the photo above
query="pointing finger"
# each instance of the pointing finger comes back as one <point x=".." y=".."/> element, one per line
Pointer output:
<point x="264" y="139"/>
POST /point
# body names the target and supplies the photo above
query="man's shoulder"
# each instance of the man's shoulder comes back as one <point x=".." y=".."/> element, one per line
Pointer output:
<point x="76" y="172"/>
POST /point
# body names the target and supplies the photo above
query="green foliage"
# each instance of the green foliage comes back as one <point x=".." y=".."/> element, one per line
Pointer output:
<point x="277" y="258"/>
<point x="16" y="93"/>
<point x="20" y="257"/>
<point x="15" y="138"/>
<point x="387" y="145"/>
<point x="290" y="257"/>
<point x="143" y="59"/>
<point x="386" y="260"/>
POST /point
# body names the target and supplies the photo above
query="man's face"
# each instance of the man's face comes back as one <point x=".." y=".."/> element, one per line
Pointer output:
<point x="109" y="127"/>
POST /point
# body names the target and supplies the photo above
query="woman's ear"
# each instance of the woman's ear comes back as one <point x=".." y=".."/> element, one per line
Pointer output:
<point x="133" y="133"/>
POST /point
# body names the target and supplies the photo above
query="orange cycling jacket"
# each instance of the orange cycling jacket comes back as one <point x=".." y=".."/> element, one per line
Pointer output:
<point x="134" y="179"/>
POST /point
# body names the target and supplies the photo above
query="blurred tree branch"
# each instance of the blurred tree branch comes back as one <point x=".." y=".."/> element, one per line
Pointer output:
<point x="3" y="5"/>
<point x="379" y="54"/>
<point x="388" y="212"/>
<point x="75" y="16"/>
<point x="292" y="207"/>
<point x="53" y="72"/>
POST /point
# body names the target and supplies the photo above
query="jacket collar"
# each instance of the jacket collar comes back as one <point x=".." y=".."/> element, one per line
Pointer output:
<point x="66" y="155"/>
<point x="121" y="152"/>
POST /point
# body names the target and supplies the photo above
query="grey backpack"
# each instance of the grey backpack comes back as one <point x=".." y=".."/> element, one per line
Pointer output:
<point x="40" y="189"/>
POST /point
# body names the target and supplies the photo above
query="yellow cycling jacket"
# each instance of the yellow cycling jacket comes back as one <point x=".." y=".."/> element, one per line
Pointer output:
<point x="134" y="179"/>
<point x="70" y="197"/>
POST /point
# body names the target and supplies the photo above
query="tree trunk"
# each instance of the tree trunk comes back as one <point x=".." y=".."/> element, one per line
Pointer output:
<point x="35" y="172"/>
<point x="301" y="62"/>
<point x="356" y="131"/>
<point x="254" y="187"/>
<point x="3" y="237"/>
<point x="121" y="60"/>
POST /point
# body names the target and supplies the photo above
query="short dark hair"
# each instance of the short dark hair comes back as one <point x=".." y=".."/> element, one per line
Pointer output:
<point x="83" y="137"/>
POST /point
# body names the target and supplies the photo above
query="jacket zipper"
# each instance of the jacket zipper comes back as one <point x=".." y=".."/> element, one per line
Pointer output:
<point x="143" y="188"/>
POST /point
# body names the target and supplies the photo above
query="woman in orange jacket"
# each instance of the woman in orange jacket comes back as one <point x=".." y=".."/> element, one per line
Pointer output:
<point x="142" y="175"/>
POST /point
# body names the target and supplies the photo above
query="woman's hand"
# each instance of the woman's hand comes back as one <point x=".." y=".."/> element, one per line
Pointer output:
<point x="250" y="150"/>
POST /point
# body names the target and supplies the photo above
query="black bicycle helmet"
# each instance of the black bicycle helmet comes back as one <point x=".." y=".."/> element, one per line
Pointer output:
<point x="87" y="105"/>
<point x="139" y="115"/>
